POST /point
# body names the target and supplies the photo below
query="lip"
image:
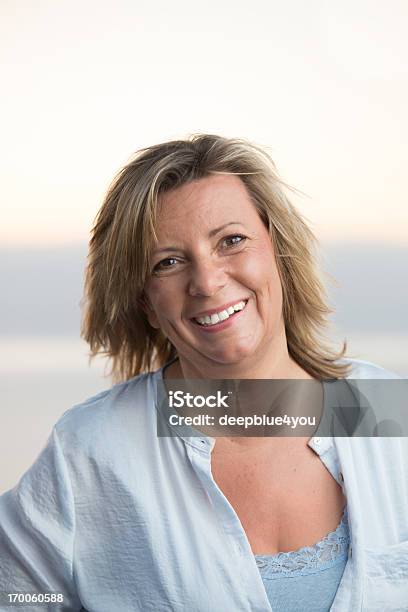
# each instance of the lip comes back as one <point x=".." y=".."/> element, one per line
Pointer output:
<point x="212" y="329"/>
<point x="205" y="313"/>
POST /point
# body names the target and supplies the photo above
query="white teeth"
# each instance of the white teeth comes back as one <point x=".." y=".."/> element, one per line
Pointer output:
<point x="221" y="316"/>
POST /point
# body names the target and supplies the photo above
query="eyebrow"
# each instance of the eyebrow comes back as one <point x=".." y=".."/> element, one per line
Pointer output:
<point x="212" y="233"/>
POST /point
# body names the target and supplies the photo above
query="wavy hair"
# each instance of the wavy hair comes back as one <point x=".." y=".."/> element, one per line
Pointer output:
<point x="114" y="323"/>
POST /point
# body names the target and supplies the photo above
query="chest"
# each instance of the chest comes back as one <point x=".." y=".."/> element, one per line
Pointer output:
<point x="284" y="496"/>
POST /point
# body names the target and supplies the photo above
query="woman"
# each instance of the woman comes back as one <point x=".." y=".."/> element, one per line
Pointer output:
<point x="200" y="268"/>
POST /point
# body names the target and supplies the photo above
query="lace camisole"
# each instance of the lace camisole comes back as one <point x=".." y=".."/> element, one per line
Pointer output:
<point x="307" y="579"/>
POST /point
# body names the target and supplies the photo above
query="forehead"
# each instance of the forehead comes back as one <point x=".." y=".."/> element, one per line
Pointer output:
<point x="212" y="200"/>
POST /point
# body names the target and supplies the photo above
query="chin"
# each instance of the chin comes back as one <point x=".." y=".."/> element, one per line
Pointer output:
<point x="231" y="356"/>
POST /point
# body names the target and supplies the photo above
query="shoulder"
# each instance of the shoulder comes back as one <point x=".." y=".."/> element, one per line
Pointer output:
<point x="368" y="382"/>
<point x="101" y="420"/>
<point x="377" y="389"/>
<point x="366" y="369"/>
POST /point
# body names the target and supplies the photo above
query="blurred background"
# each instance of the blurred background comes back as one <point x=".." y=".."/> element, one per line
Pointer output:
<point x="322" y="84"/>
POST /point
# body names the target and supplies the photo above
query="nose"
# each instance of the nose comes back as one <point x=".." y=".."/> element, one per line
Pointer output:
<point x="207" y="278"/>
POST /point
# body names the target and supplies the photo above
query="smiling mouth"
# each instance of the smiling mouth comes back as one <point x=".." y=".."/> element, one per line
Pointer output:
<point x="220" y="317"/>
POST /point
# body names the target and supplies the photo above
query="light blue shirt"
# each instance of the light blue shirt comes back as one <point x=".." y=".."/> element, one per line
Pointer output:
<point x="118" y="519"/>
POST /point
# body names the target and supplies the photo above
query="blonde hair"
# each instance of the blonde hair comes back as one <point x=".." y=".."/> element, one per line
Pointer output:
<point x="114" y="323"/>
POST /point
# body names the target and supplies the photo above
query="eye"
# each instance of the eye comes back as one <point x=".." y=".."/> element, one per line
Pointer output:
<point x="170" y="262"/>
<point x="165" y="264"/>
<point x="234" y="240"/>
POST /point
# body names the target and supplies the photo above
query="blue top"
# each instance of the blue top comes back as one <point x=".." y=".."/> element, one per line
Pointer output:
<point x="112" y="517"/>
<point x="306" y="579"/>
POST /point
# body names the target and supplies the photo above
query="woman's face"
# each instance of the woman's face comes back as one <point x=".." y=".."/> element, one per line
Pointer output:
<point x="213" y="256"/>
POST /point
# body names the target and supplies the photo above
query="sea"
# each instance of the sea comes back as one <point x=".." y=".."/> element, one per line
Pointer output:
<point x="42" y="377"/>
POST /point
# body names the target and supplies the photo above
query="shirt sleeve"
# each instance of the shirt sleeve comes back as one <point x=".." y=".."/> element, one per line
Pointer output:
<point x="37" y="530"/>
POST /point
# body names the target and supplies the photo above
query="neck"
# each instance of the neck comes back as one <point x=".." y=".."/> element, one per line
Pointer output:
<point x="270" y="365"/>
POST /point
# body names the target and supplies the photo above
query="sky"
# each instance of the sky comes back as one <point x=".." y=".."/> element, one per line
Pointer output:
<point x="322" y="84"/>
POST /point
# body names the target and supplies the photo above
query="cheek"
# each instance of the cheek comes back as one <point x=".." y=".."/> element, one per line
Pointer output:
<point x="266" y="284"/>
<point x="163" y="296"/>
<point x="260" y="272"/>
<point x="154" y="292"/>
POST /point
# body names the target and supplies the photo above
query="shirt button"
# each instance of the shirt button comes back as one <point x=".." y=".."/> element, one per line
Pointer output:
<point x="317" y="441"/>
<point x="341" y="477"/>
<point x="351" y="551"/>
